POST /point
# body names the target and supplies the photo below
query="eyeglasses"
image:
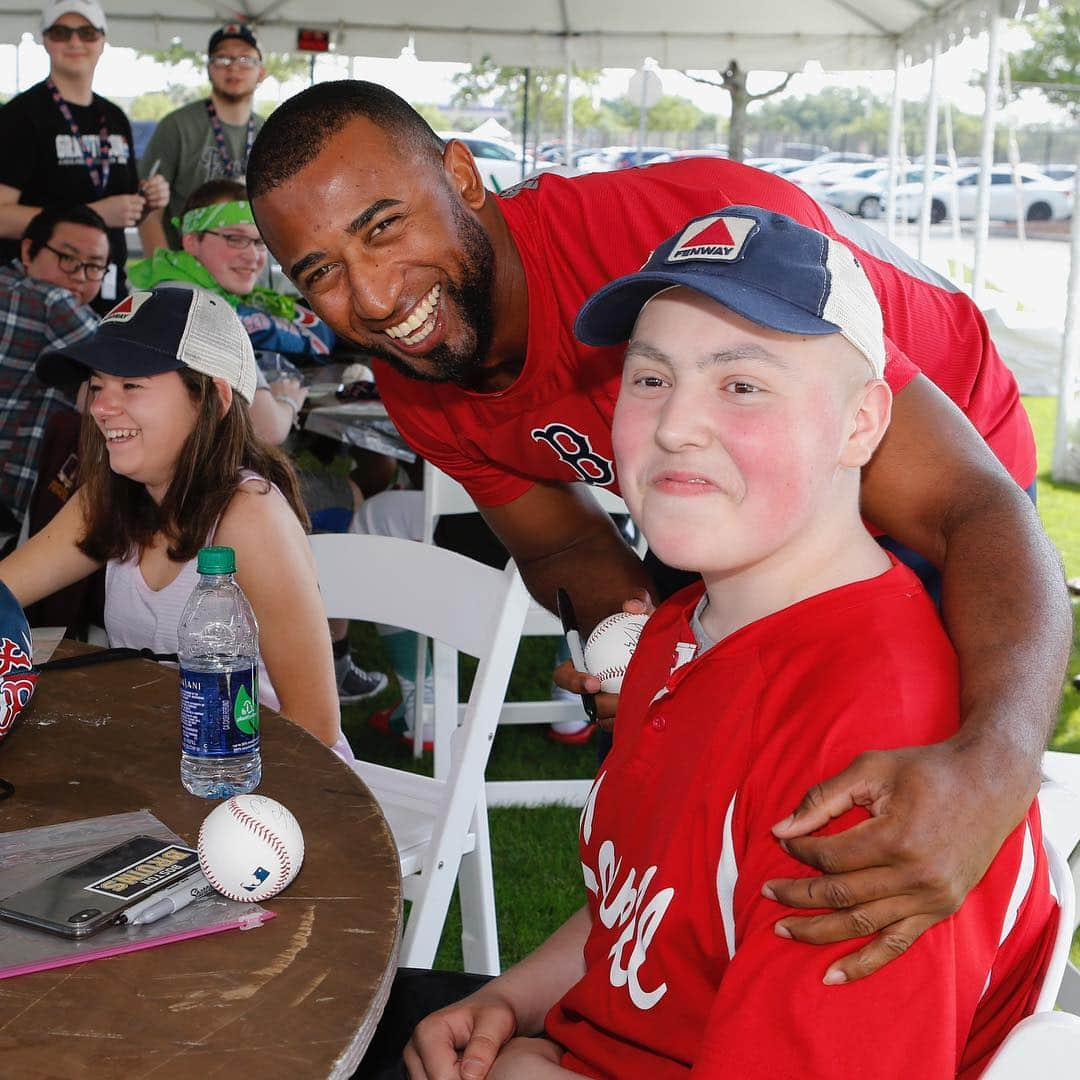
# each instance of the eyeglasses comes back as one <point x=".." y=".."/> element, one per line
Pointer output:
<point x="239" y="243"/>
<point x="228" y="61"/>
<point x="70" y="265"/>
<point x="60" y="33"/>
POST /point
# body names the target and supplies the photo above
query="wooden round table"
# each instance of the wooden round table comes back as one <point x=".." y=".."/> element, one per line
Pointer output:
<point x="297" y="997"/>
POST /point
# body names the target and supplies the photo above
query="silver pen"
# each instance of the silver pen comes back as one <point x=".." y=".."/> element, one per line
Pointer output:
<point x="168" y="901"/>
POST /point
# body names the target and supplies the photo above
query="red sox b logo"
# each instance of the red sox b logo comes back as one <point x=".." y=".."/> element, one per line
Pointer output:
<point x="575" y="449"/>
<point x="17" y="682"/>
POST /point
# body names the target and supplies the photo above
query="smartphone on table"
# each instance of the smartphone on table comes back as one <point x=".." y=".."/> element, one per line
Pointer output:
<point x="86" y="898"/>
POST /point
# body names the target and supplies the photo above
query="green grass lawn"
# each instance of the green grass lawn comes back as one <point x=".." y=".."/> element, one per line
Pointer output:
<point x="534" y="852"/>
<point x="1059" y="508"/>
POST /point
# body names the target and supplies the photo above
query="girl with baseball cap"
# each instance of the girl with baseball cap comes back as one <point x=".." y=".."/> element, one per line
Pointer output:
<point x="170" y="464"/>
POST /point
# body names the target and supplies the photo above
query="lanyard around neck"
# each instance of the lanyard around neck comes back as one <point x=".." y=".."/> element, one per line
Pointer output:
<point x="232" y="168"/>
<point x="99" y="177"/>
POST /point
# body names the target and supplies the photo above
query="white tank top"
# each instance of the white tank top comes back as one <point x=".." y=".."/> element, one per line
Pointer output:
<point x="138" y="617"/>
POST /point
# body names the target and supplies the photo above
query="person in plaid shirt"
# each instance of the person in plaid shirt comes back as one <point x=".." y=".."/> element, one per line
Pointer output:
<point x="44" y="302"/>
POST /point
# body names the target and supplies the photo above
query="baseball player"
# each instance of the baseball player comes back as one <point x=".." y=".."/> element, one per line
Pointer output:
<point x="468" y="299"/>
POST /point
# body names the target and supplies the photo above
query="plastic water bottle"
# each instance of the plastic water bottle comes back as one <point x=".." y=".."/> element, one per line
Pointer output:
<point x="218" y="646"/>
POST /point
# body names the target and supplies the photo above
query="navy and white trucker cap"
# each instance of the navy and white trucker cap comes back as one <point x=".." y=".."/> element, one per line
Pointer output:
<point x="159" y="330"/>
<point x="763" y="266"/>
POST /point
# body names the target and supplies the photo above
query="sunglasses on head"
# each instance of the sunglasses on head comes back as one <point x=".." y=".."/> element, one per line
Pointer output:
<point x="60" y="33"/>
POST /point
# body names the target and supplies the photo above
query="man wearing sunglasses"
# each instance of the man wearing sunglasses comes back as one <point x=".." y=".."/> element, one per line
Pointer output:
<point x="208" y="139"/>
<point x="44" y="302"/>
<point x="67" y="145"/>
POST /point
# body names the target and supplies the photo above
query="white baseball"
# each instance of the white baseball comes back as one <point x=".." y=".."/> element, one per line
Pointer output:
<point x="250" y="848"/>
<point x="610" y="646"/>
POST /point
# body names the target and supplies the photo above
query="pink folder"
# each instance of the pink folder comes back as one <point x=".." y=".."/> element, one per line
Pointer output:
<point x="28" y="856"/>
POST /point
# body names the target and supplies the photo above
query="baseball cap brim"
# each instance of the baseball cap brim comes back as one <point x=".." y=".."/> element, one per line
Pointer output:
<point x="111" y="356"/>
<point x="608" y="316"/>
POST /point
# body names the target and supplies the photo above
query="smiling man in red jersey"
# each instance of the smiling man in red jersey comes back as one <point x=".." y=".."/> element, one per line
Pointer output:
<point x="468" y="300"/>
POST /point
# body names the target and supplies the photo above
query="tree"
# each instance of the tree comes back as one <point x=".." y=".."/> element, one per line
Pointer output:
<point x="672" y="113"/>
<point x="436" y="118"/>
<point x="733" y="80"/>
<point x="1052" y="64"/>
<point x="488" y="83"/>
<point x="158" y="103"/>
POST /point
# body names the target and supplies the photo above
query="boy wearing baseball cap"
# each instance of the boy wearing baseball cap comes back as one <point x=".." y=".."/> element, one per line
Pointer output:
<point x="751" y="398"/>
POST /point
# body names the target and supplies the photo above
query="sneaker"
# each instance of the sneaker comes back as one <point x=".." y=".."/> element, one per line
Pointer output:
<point x="570" y="733"/>
<point x="389" y="721"/>
<point x="355" y="684"/>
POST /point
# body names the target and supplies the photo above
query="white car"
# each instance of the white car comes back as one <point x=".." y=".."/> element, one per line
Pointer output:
<point x="611" y="158"/>
<point x="865" y="196"/>
<point x="1043" y="199"/>
<point x="499" y="162"/>
<point x="827" y="175"/>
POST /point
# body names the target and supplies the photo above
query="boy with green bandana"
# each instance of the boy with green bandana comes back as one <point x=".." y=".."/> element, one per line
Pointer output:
<point x="223" y="253"/>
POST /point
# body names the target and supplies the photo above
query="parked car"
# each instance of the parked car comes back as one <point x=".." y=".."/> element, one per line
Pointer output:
<point x="842" y="155"/>
<point x="682" y="155"/>
<point x="499" y="163"/>
<point x="774" y="164"/>
<point x="813" y="175"/>
<point x="829" y="174"/>
<point x="1043" y="199"/>
<point x="804" y="151"/>
<point x="623" y="157"/>
<point x="1060" y="172"/>
<point x="865" y="195"/>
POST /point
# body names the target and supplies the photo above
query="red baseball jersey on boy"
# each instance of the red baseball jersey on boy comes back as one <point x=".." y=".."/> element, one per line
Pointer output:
<point x="574" y="235"/>
<point x="684" y="973"/>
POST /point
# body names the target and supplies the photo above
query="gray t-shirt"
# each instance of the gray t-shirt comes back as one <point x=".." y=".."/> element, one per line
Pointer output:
<point x="187" y="154"/>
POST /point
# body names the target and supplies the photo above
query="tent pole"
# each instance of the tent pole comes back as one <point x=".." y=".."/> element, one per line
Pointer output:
<point x="568" y="106"/>
<point x="930" y="151"/>
<point x="525" y="121"/>
<point x="986" y="157"/>
<point x="1066" y="461"/>
<point x="895" y="120"/>
<point x="954" y="200"/>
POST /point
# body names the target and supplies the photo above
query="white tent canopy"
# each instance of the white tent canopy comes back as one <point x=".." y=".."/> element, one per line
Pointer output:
<point x="774" y="35"/>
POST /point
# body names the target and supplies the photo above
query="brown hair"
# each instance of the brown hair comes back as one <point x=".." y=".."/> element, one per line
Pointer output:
<point x="215" y="191"/>
<point x="122" y="518"/>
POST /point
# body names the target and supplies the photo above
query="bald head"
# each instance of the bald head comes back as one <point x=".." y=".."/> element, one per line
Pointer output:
<point x="296" y="132"/>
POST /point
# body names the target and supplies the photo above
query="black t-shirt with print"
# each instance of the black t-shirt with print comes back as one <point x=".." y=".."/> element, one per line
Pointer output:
<point x="44" y="163"/>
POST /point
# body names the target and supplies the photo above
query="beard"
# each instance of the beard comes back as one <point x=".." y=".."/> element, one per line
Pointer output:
<point x="471" y="296"/>
<point x="234" y="99"/>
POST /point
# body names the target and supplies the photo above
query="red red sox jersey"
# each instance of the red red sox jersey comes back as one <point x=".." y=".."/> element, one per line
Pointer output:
<point x="684" y="972"/>
<point x="574" y="235"/>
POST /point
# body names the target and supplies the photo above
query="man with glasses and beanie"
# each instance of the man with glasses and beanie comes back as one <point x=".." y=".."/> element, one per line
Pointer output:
<point x="208" y="139"/>
<point x="68" y="145"/>
<point x="44" y="303"/>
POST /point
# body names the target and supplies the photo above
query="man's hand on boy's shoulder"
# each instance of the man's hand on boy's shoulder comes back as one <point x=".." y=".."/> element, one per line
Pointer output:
<point x="939" y="815"/>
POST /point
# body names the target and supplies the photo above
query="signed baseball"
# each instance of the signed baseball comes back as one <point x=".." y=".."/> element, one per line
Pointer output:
<point x="610" y="646"/>
<point x="250" y="848"/>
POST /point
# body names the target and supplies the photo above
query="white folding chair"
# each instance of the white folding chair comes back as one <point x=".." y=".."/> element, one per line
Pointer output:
<point x="1043" y="1046"/>
<point x="1047" y="1043"/>
<point x="443" y="495"/>
<point x="439" y="823"/>
<point x="1059" y="805"/>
